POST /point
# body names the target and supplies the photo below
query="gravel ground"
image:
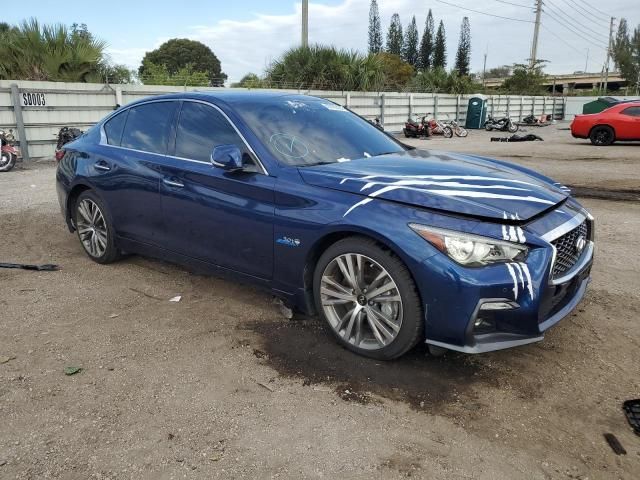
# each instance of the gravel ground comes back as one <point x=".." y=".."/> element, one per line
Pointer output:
<point x="220" y="385"/>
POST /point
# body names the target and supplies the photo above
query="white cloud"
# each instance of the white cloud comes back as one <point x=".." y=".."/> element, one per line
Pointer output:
<point x="249" y="46"/>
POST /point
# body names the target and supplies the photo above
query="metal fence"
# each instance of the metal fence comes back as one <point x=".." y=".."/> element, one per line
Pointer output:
<point x="37" y="110"/>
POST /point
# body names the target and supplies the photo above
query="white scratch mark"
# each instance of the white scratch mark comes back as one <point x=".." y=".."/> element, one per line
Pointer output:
<point x="525" y="268"/>
<point x="464" y="193"/>
<point x="356" y="205"/>
<point x="515" y="280"/>
<point x="519" y="270"/>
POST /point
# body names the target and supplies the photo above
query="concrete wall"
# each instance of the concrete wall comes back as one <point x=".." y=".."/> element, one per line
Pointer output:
<point x="574" y="105"/>
<point x="47" y="106"/>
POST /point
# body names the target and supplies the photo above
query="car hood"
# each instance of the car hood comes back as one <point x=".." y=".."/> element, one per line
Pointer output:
<point x="456" y="183"/>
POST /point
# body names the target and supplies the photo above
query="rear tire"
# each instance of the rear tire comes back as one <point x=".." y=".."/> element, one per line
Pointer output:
<point x="447" y="132"/>
<point x="602" y="135"/>
<point x="95" y="229"/>
<point x="352" y="302"/>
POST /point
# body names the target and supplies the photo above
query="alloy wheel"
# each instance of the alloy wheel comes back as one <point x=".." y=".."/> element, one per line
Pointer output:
<point x="603" y="137"/>
<point x="361" y="301"/>
<point x="92" y="228"/>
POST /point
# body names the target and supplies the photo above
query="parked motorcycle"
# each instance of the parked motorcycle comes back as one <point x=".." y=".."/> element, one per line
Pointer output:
<point x="417" y="128"/>
<point x="503" y="124"/>
<point x="376" y="123"/>
<point x="457" y="129"/>
<point x="440" y="128"/>
<point x="65" y="135"/>
<point x="8" y="152"/>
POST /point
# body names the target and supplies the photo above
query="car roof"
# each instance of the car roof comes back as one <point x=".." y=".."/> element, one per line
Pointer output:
<point x="230" y="97"/>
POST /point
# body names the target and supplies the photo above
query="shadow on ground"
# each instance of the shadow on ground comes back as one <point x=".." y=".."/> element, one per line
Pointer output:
<point x="304" y="348"/>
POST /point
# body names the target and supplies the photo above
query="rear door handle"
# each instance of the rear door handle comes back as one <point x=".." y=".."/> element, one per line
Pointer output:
<point x="171" y="182"/>
<point x="101" y="165"/>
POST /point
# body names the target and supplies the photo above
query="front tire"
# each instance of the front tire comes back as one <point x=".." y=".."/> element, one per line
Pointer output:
<point x="447" y="132"/>
<point x="602" y="136"/>
<point x="7" y="161"/>
<point x="513" y="127"/>
<point x="94" y="228"/>
<point x="368" y="299"/>
<point x="488" y="127"/>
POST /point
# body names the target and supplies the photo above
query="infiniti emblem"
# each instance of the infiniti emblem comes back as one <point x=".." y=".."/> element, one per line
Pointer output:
<point x="581" y="242"/>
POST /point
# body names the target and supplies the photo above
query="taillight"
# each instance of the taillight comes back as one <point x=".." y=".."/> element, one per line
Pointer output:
<point x="59" y="155"/>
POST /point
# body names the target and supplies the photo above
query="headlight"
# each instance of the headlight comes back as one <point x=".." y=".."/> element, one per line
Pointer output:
<point x="471" y="250"/>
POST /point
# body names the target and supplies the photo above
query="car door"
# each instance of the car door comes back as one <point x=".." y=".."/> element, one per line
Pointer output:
<point x="629" y="124"/>
<point x="221" y="217"/>
<point x="126" y="172"/>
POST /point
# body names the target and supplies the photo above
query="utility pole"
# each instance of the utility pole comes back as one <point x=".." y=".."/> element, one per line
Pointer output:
<point x="484" y="69"/>
<point x="609" y="49"/>
<point x="305" y="23"/>
<point x="536" y="30"/>
<point x="586" y="63"/>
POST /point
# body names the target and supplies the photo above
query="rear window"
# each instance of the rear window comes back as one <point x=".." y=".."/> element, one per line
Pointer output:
<point x="114" y="127"/>
<point x="632" y="111"/>
<point x="148" y="127"/>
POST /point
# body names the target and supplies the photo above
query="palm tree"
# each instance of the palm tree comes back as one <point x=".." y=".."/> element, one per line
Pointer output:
<point x="49" y="52"/>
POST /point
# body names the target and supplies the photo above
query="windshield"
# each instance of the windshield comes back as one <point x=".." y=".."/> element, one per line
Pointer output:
<point x="305" y="131"/>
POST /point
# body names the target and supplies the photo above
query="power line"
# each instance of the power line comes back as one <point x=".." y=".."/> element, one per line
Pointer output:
<point x="562" y="39"/>
<point x="573" y="30"/>
<point x="571" y="20"/>
<point x="596" y="9"/>
<point x="528" y="7"/>
<point x="485" y="13"/>
<point x="589" y="17"/>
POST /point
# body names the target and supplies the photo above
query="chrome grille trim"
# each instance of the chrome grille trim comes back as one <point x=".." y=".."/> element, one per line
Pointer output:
<point x="565" y="264"/>
<point x="566" y="254"/>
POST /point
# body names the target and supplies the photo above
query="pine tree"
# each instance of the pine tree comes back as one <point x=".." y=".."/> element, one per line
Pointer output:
<point x="410" y="46"/>
<point x="440" y="48"/>
<point x="375" y="32"/>
<point x="426" y="44"/>
<point x="394" y="36"/>
<point x="463" y="55"/>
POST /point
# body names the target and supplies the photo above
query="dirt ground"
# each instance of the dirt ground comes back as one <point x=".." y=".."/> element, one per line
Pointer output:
<point x="221" y="385"/>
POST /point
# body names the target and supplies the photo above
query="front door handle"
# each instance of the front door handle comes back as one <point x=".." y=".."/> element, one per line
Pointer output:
<point x="172" y="183"/>
<point x="101" y="165"/>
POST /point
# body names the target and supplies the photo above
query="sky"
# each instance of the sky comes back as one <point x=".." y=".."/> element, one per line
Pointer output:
<point x="247" y="35"/>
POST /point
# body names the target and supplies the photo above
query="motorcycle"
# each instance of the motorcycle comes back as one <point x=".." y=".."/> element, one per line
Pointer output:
<point x="64" y="136"/>
<point x="457" y="129"/>
<point x="376" y="123"/>
<point x="503" y="124"/>
<point x="440" y="128"/>
<point x="8" y="152"/>
<point x="417" y="128"/>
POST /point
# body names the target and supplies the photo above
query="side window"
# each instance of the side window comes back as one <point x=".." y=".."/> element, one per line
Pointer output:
<point x="200" y="128"/>
<point x="114" y="128"/>
<point x="631" y="111"/>
<point x="148" y="127"/>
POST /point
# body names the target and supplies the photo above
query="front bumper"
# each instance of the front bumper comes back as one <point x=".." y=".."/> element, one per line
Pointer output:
<point x="483" y="314"/>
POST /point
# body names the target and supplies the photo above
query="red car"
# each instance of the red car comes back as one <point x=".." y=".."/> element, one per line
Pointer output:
<point x="620" y="122"/>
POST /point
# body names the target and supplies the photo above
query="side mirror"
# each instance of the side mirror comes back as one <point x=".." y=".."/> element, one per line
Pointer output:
<point x="227" y="157"/>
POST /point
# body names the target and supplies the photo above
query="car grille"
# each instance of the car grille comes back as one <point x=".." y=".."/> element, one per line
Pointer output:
<point x="566" y="253"/>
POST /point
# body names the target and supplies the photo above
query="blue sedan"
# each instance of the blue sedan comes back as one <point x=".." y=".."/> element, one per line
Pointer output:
<point x="390" y="245"/>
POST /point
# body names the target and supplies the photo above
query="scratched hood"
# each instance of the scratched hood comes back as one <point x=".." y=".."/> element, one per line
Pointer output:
<point x="449" y="182"/>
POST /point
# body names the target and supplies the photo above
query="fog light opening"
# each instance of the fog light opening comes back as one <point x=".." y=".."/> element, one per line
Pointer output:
<point x="484" y="325"/>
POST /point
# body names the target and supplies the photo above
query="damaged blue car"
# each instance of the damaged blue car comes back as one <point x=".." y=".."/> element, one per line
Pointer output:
<point x="390" y="245"/>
